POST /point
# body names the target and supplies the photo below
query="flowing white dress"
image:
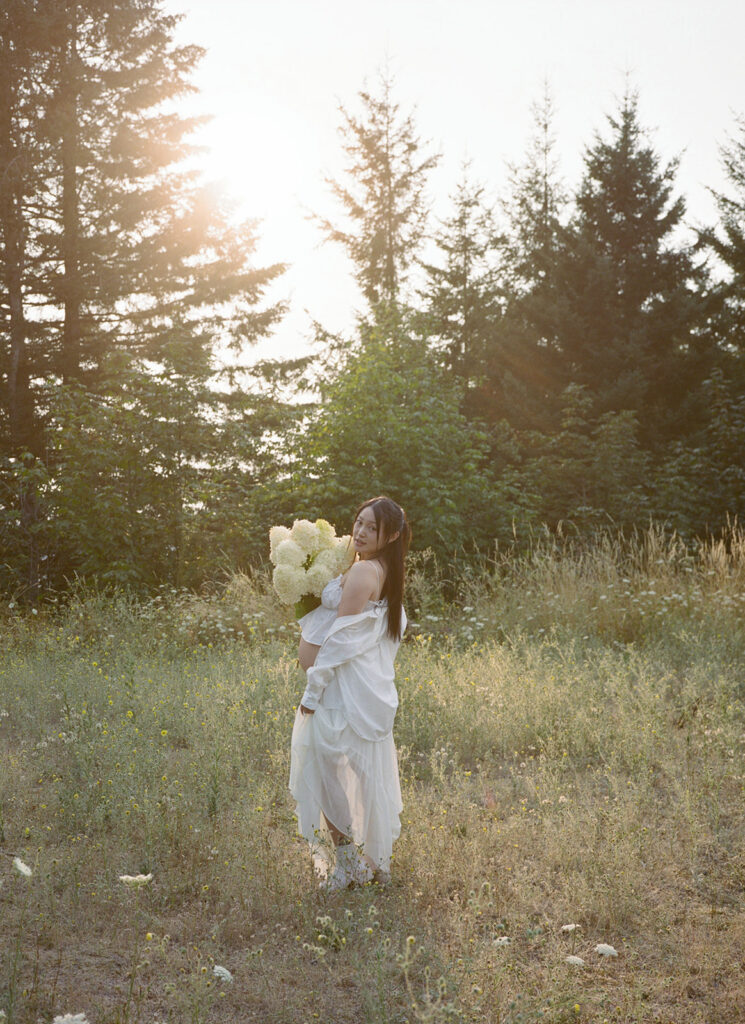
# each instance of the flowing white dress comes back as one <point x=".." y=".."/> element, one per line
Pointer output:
<point x="343" y="763"/>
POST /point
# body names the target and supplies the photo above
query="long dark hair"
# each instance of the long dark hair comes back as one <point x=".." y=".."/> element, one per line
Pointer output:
<point x="390" y="518"/>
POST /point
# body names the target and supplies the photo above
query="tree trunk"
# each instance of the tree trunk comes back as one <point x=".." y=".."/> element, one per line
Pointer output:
<point x="19" y="399"/>
<point x="70" y="358"/>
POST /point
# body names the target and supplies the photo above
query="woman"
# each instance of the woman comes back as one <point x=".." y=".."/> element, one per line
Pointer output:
<point x="344" y="772"/>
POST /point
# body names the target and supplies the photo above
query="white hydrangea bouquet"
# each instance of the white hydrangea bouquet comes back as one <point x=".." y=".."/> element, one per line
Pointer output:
<point x="306" y="557"/>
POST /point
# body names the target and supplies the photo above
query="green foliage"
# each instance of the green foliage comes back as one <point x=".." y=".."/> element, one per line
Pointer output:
<point x="729" y="241"/>
<point x="390" y="422"/>
<point x="592" y="471"/>
<point x="630" y="323"/>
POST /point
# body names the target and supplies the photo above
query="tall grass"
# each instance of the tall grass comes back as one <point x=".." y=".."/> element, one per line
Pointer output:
<point x="571" y="742"/>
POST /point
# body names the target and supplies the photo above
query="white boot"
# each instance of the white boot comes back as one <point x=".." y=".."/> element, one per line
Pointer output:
<point x="350" y="869"/>
<point x="361" y="871"/>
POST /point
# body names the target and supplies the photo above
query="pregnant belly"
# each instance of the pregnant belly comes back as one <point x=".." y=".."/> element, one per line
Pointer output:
<point x="306" y="654"/>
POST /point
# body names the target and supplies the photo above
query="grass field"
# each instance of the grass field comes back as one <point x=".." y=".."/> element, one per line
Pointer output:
<point x="571" y="736"/>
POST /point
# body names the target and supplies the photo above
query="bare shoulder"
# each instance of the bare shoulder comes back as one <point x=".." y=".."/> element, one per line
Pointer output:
<point x="360" y="572"/>
<point x="361" y="577"/>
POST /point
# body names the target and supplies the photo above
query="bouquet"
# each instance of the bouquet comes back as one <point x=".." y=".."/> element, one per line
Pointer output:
<point x="306" y="558"/>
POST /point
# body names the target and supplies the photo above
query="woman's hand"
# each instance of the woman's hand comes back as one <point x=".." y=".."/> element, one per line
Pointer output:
<point x="306" y="711"/>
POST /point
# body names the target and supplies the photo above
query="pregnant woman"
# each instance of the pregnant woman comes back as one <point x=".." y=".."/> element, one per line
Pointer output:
<point x="344" y="772"/>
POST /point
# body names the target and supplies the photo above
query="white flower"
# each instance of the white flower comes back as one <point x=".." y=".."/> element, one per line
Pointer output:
<point x="222" y="973"/>
<point x="318" y="576"/>
<point x="344" y="552"/>
<point x="135" y="881"/>
<point x="501" y="941"/>
<point x="290" y="583"/>
<point x="276" y="535"/>
<point x="605" y="950"/>
<point x="307" y="535"/>
<point x="326" y="534"/>
<point x="288" y="552"/>
<point x="569" y="927"/>
<point x="577" y="961"/>
<point x="21" y="868"/>
<point x="71" y="1018"/>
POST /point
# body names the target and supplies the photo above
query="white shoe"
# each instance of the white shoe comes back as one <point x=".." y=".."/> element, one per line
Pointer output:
<point x="350" y="869"/>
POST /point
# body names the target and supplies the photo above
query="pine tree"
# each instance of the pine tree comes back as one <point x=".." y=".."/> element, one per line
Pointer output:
<point x="19" y="154"/>
<point x="131" y="276"/>
<point x="630" y="316"/>
<point x="729" y="242"/>
<point x="462" y="298"/>
<point x="522" y="363"/>
<point x="384" y="194"/>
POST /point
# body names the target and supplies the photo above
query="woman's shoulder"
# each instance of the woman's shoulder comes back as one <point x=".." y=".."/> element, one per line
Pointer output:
<point x="362" y="575"/>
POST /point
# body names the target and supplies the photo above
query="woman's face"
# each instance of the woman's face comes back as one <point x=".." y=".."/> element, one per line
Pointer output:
<point x="365" y="537"/>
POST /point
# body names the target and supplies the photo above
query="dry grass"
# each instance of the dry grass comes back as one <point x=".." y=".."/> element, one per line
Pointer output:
<point x="564" y="759"/>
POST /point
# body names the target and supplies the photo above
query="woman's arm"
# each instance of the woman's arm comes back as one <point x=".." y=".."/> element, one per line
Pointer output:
<point x="360" y="585"/>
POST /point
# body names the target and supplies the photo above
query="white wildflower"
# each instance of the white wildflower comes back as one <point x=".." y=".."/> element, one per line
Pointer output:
<point x="288" y="552"/>
<point x="569" y="927"/>
<point x="605" y="950"/>
<point x="501" y="941"/>
<point x="276" y="535"/>
<point x="306" y="535"/>
<point x="70" y="1018"/>
<point x="135" y="881"/>
<point x="21" y="868"/>
<point x="290" y="583"/>
<point x="222" y="973"/>
<point x="576" y="961"/>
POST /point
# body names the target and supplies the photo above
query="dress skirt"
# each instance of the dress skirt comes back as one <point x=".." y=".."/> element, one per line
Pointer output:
<point x="351" y="782"/>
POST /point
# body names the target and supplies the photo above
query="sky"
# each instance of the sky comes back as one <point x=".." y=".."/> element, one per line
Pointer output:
<point x="276" y="71"/>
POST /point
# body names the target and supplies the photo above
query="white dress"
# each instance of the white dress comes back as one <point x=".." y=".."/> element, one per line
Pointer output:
<point x="343" y="764"/>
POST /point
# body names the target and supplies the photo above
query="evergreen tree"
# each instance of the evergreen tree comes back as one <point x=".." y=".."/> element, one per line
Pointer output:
<point x="729" y="242"/>
<point x="630" y="312"/>
<point x="535" y="208"/>
<point x="462" y="298"/>
<point x="522" y="360"/>
<point x="131" y="275"/>
<point x="20" y="151"/>
<point x="383" y="196"/>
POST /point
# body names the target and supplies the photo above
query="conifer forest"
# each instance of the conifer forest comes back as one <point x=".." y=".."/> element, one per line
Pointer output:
<point x="569" y="357"/>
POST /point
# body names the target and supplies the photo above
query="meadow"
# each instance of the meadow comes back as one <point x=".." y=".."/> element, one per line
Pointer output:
<point x="571" y="736"/>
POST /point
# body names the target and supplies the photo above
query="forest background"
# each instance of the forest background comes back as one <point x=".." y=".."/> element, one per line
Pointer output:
<point x="569" y="359"/>
<point x="551" y="386"/>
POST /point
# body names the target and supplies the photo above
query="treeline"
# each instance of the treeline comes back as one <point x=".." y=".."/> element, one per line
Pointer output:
<point x="566" y="355"/>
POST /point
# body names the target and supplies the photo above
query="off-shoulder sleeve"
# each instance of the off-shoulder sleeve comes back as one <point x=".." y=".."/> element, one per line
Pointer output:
<point x="349" y="637"/>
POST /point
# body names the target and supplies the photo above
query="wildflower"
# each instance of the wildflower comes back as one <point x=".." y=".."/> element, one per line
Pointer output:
<point x="21" y="868"/>
<point x="501" y="941"/>
<point x="222" y="973"/>
<point x="71" y="1018"/>
<point x="135" y="881"/>
<point x="569" y="927"/>
<point x="577" y="961"/>
<point x="605" y="950"/>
